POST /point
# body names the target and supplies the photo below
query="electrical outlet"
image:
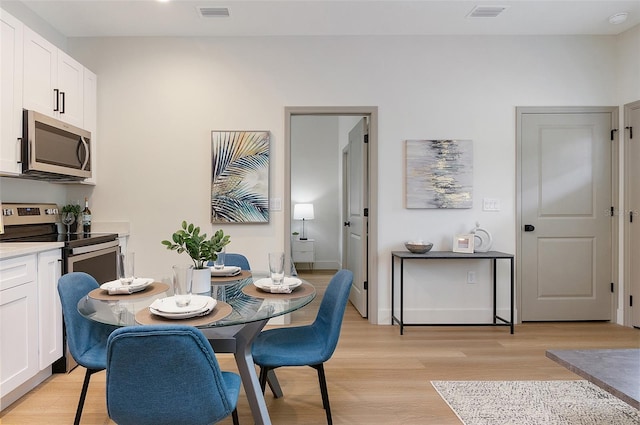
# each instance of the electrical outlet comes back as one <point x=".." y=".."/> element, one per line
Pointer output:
<point x="471" y="277"/>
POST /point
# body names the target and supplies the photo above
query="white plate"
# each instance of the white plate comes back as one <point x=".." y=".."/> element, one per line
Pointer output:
<point x="267" y="284"/>
<point x="137" y="285"/>
<point x="168" y="304"/>
<point x="210" y="303"/>
<point x="226" y="271"/>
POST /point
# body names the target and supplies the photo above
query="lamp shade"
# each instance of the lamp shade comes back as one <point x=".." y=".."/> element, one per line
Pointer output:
<point x="303" y="212"/>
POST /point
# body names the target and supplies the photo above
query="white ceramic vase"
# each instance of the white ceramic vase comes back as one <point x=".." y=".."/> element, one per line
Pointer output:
<point x="201" y="281"/>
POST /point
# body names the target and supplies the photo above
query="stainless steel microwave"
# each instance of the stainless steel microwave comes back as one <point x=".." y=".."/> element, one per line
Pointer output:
<point x="53" y="149"/>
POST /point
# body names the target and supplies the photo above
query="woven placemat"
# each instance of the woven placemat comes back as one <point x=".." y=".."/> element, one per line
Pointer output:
<point x="153" y="289"/>
<point x="219" y="312"/>
<point x="299" y="292"/>
<point x="216" y="280"/>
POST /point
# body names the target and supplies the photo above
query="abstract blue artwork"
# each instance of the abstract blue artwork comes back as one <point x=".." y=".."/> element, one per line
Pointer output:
<point x="240" y="176"/>
<point x="439" y="173"/>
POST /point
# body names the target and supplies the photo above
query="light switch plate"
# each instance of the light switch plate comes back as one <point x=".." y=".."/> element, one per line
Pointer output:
<point x="275" y="204"/>
<point x="491" y="204"/>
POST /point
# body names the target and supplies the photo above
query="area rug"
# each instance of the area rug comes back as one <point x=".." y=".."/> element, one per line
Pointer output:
<point x="534" y="403"/>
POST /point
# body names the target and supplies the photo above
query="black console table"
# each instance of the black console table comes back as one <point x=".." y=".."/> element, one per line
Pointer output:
<point x="494" y="256"/>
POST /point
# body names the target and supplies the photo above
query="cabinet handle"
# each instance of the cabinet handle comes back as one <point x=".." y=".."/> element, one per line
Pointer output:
<point x="57" y="94"/>
<point x="19" y="151"/>
<point x="62" y="110"/>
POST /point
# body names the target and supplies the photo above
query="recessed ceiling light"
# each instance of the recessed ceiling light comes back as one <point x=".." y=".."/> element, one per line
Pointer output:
<point x="618" y="18"/>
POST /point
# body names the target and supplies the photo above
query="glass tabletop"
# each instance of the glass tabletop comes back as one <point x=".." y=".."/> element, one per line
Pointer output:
<point x="246" y="307"/>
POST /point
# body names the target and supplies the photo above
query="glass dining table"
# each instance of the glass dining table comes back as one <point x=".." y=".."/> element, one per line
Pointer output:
<point x="241" y="312"/>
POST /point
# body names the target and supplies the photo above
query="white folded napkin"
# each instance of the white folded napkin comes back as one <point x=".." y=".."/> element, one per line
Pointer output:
<point x="125" y="289"/>
<point x="226" y="271"/>
<point x="284" y="289"/>
<point x="116" y="287"/>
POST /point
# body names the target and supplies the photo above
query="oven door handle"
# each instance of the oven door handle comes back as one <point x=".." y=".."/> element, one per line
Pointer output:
<point x="92" y="248"/>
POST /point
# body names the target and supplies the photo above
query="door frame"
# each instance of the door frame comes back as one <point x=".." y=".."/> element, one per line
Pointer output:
<point x="615" y="192"/>
<point x="624" y="299"/>
<point x="371" y="112"/>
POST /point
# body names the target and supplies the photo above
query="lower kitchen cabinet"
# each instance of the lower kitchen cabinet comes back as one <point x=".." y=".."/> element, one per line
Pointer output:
<point x="30" y="321"/>
<point x="18" y="322"/>
<point x="49" y="308"/>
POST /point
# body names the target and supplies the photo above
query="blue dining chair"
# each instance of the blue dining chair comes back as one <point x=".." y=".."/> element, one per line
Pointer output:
<point x="309" y="345"/>
<point x="87" y="340"/>
<point x="167" y="375"/>
<point x="237" y="260"/>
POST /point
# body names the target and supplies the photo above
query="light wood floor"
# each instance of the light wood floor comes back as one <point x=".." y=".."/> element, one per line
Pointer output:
<point x="375" y="376"/>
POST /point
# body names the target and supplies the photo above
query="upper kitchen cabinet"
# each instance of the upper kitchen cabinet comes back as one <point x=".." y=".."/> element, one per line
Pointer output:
<point x="11" y="42"/>
<point x="90" y="120"/>
<point x="53" y="81"/>
<point x="36" y="75"/>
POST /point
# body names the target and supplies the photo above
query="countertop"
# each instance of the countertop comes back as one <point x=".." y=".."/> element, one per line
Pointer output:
<point x="15" y="249"/>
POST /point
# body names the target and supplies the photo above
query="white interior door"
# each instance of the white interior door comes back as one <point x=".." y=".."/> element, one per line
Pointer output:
<point x="632" y="208"/>
<point x="356" y="203"/>
<point x="566" y="199"/>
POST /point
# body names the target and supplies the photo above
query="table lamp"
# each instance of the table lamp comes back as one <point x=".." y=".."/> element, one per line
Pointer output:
<point x="303" y="212"/>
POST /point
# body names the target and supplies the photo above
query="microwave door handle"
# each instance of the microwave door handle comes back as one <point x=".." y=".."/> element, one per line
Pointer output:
<point x="86" y="150"/>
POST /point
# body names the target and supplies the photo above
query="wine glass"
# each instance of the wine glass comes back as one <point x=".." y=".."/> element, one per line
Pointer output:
<point x="68" y="218"/>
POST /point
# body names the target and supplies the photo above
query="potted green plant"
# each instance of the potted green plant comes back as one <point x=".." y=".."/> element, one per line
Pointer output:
<point x="201" y="250"/>
<point x="74" y="209"/>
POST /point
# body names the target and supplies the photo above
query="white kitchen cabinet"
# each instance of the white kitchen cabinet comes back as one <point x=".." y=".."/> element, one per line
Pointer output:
<point x="11" y="47"/>
<point x="53" y="81"/>
<point x="38" y="76"/>
<point x="303" y="251"/>
<point x="71" y="86"/>
<point x="90" y="102"/>
<point x="18" y="322"/>
<point x="49" y="308"/>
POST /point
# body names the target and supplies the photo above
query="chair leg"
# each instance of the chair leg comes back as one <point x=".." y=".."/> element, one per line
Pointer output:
<point x="323" y="391"/>
<point x="83" y="394"/>
<point x="234" y="415"/>
<point x="274" y="384"/>
<point x="264" y="372"/>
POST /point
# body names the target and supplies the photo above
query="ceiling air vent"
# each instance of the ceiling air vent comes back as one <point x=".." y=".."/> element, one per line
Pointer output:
<point x="486" y="11"/>
<point x="213" y="12"/>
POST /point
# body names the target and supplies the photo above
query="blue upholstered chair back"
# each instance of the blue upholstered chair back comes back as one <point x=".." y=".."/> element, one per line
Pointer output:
<point x="86" y="339"/>
<point x="166" y="374"/>
<point x="237" y="260"/>
<point x="329" y="319"/>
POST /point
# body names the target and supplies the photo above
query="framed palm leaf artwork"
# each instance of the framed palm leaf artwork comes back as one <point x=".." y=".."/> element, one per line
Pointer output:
<point x="240" y="176"/>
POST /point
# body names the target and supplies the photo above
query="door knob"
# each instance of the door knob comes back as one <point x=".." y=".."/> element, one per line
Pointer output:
<point x="529" y="228"/>
<point x="347" y="224"/>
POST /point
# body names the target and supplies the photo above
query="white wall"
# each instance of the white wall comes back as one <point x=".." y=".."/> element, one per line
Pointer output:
<point x="628" y="66"/>
<point x="159" y="99"/>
